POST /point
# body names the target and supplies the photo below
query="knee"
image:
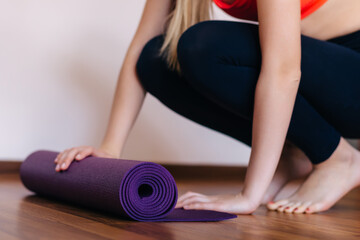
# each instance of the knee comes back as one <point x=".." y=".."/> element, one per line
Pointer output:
<point x="194" y="44"/>
<point x="205" y="43"/>
<point x="148" y="64"/>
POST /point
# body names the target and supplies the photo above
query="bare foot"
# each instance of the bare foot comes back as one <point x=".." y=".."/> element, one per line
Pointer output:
<point x="293" y="164"/>
<point x="328" y="182"/>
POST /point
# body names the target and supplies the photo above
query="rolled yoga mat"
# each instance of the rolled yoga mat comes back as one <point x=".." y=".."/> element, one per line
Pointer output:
<point x="131" y="189"/>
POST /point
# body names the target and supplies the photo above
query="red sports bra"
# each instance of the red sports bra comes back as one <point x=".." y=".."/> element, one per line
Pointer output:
<point x="246" y="9"/>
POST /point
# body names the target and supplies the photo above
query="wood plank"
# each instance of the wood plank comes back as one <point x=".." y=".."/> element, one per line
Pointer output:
<point x="24" y="215"/>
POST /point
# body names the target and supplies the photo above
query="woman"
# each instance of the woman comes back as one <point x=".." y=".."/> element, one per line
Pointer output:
<point x="288" y="87"/>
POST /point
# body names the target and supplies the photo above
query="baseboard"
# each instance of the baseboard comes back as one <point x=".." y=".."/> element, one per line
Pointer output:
<point x="178" y="171"/>
<point x="9" y="166"/>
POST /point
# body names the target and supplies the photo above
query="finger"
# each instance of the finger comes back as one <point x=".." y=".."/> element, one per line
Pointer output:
<point x="57" y="158"/>
<point x="60" y="159"/>
<point x="183" y="197"/>
<point x="179" y="205"/>
<point x="186" y="196"/>
<point x="68" y="158"/>
<point x="204" y="206"/>
<point x="83" y="153"/>
<point x="193" y="199"/>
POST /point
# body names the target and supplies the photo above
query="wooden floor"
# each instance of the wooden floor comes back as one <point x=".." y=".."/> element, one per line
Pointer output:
<point x="24" y="215"/>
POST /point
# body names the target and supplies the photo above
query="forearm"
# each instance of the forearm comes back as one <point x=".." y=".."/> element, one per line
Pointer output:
<point x="129" y="93"/>
<point x="274" y="101"/>
<point x="128" y="99"/>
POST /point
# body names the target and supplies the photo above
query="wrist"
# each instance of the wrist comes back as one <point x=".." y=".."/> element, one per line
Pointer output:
<point x="111" y="149"/>
<point x="254" y="201"/>
<point x="258" y="177"/>
<point x="251" y="205"/>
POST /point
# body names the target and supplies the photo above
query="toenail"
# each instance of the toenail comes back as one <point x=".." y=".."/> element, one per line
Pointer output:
<point x="271" y="202"/>
<point x="279" y="206"/>
<point x="308" y="209"/>
<point x="287" y="207"/>
<point x="295" y="209"/>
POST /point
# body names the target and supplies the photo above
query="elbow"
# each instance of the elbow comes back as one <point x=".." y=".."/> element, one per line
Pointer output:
<point x="291" y="75"/>
<point x="282" y="65"/>
<point x="291" y="72"/>
<point x="282" y="72"/>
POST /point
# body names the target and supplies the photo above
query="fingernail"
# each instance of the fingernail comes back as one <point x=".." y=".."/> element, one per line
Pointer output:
<point x="63" y="165"/>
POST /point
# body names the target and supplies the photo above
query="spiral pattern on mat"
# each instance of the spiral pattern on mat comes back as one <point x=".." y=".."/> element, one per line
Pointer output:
<point x="148" y="192"/>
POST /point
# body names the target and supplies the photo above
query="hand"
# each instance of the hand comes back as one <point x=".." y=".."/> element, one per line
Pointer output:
<point x="231" y="203"/>
<point x="65" y="158"/>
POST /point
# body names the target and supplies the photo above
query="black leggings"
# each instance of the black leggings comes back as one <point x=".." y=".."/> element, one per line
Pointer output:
<point x="220" y="63"/>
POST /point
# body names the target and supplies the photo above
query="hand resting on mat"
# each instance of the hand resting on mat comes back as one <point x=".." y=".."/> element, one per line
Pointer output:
<point x="65" y="158"/>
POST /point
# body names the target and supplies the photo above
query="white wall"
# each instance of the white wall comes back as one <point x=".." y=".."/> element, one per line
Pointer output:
<point x="59" y="62"/>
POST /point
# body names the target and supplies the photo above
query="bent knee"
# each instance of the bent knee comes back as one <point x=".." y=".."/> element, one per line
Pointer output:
<point x="193" y="43"/>
<point x="205" y="40"/>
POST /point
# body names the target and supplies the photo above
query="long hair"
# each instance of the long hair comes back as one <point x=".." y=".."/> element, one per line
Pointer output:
<point x="185" y="13"/>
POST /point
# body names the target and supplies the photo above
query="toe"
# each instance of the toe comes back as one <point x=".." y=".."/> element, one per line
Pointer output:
<point x="309" y="210"/>
<point x="302" y="207"/>
<point x="282" y="208"/>
<point x="316" y="207"/>
<point x="291" y="208"/>
<point x="277" y="204"/>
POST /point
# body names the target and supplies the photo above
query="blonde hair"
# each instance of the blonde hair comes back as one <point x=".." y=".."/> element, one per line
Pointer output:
<point x="185" y="13"/>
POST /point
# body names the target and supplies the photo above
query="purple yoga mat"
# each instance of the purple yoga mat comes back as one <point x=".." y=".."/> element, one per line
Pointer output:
<point x="131" y="189"/>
